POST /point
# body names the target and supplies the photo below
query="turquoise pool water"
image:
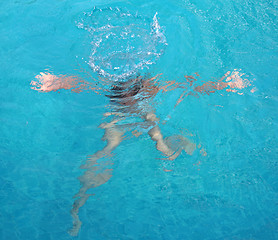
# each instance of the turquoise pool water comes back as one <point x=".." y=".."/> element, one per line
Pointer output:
<point x="227" y="189"/>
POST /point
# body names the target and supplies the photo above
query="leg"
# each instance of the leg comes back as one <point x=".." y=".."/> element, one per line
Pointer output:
<point x="161" y="146"/>
<point x="171" y="146"/>
<point x="96" y="173"/>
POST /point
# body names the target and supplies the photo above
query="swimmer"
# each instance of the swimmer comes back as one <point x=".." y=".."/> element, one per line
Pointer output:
<point x="128" y="98"/>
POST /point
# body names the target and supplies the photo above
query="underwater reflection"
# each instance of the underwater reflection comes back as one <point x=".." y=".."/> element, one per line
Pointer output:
<point x="132" y="109"/>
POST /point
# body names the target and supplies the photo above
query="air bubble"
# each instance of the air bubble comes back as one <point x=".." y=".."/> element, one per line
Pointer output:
<point x="122" y="43"/>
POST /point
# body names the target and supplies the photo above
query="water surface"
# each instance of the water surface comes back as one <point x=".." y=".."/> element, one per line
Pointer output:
<point x="230" y="193"/>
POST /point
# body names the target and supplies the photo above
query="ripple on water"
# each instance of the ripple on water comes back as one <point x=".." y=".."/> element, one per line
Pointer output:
<point x="122" y="42"/>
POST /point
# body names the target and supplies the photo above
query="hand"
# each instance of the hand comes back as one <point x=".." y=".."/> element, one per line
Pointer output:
<point x="46" y="82"/>
<point x="235" y="80"/>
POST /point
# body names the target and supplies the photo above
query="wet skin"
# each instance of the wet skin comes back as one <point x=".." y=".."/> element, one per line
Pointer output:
<point x="126" y="98"/>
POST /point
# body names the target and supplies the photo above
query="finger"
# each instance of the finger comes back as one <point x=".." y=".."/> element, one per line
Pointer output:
<point x="34" y="83"/>
<point x="35" y="88"/>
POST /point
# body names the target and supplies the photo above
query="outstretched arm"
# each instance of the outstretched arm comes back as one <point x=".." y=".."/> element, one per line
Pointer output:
<point x="46" y="82"/>
<point x="232" y="81"/>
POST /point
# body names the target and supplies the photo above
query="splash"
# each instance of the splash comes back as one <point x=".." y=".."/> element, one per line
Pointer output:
<point x="122" y="43"/>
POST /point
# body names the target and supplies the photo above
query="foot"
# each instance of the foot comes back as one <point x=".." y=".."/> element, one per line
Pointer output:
<point x="177" y="142"/>
<point x="75" y="228"/>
